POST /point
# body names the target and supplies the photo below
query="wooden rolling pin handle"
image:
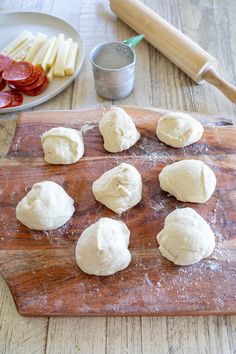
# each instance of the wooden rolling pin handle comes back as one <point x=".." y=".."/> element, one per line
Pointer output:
<point x="225" y="87"/>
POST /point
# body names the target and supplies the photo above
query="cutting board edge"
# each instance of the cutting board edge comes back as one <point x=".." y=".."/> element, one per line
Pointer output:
<point x="134" y="314"/>
<point x="154" y="109"/>
<point x="20" y="116"/>
<point x="26" y="313"/>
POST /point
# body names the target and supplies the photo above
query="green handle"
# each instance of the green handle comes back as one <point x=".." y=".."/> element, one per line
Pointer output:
<point x="133" y="41"/>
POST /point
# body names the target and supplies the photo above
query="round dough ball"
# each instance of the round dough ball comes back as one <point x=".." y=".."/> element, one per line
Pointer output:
<point x="102" y="248"/>
<point x="186" y="237"/>
<point x="119" y="189"/>
<point x="62" y="145"/>
<point x="118" y="130"/>
<point x="179" y="129"/>
<point x="45" y="207"/>
<point x="188" y="180"/>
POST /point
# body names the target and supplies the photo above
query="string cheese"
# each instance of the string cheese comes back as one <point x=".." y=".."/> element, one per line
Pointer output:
<point x="71" y="59"/>
<point x="48" y="52"/>
<point x="19" y="40"/>
<point x="38" y="59"/>
<point x="19" y="53"/>
<point x="36" y="45"/>
<point x="54" y="50"/>
<point x="50" y="74"/>
<point x="61" y="59"/>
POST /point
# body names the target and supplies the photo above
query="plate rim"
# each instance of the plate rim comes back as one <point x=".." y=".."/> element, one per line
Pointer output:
<point x="61" y="87"/>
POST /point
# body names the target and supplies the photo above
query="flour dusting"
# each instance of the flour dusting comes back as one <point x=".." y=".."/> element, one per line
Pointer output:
<point x="154" y="152"/>
<point x="88" y="126"/>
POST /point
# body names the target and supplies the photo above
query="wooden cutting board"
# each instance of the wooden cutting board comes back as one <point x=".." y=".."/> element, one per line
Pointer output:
<point x="40" y="267"/>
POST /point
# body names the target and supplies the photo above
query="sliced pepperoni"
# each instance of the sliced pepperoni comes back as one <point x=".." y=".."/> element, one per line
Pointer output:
<point x="5" y="100"/>
<point x="18" y="71"/>
<point x="33" y="77"/>
<point x="16" y="96"/>
<point x="2" y="84"/>
<point x="12" y="86"/>
<point x="40" y="80"/>
<point x="39" y="89"/>
<point x="5" y="62"/>
<point x="25" y="83"/>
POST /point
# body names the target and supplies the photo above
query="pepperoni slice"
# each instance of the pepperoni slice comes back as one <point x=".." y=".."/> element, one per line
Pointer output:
<point x="18" y="71"/>
<point x="5" y="100"/>
<point x="39" y="89"/>
<point x="25" y="83"/>
<point x="16" y="96"/>
<point x="12" y="86"/>
<point x="33" y="77"/>
<point x="5" y="62"/>
<point x="2" y="84"/>
<point x="40" y="80"/>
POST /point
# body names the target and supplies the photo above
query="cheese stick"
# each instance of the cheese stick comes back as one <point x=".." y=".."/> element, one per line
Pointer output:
<point x="20" y="52"/>
<point x="50" y="74"/>
<point x="61" y="59"/>
<point x="38" y="59"/>
<point x="71" y="59"/>
<point x="19" y="40"/>
<point x="54" y="50"/>
<point x="48" y="52"/>
<point x="36" y="45"/>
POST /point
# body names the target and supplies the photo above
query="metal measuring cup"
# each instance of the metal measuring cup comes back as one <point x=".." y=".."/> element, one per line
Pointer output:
<point x="114" y="68"/>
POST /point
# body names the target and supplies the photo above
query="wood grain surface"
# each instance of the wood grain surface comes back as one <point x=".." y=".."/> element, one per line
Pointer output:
<point x="211" y="23"/>
<point x="40" y="267"/>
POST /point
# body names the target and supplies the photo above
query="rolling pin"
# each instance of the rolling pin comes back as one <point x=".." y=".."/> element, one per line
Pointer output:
<point x="176" y="46"/>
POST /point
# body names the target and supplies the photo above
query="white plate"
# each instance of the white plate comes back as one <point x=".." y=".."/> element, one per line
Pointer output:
<point x="13" y="23"/>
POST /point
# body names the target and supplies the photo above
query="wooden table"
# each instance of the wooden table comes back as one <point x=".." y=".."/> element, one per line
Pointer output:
<point x="160" y="84"/>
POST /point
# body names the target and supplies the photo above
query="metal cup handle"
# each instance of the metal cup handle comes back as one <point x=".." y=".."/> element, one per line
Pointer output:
<point x="133" y="41"/>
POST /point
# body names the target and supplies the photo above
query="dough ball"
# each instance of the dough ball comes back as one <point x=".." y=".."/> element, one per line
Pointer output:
<point x="102" y="248"/>
<point x="178" y="129"/>
<point x="45" y="207"/>
<point x="62" y="145"/>
<point x="119" y="189"/>
<point x="118" y="130"/>
<point x="188" y="180"/>
<point x="186" y="237"/>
